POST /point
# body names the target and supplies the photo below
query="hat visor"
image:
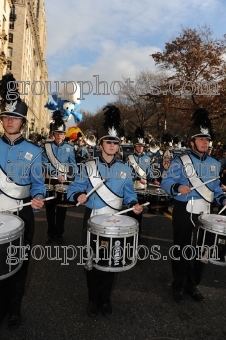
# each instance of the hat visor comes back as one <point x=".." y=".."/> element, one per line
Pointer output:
<point x="60" y="131"/>
<point x="139" y="144"/>
<point x="108" y="137"/>
<point x="201" y="135"/>
<point x="12" y="114"/>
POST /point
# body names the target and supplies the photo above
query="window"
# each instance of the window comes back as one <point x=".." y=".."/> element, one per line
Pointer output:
<point x="9" y="64"/>
<point x="11" y="24"/>
<point x="10" y="52"/>
<point x="10" y="37"/>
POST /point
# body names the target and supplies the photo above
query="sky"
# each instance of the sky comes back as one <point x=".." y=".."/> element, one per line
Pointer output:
<point x="89" y="41"/>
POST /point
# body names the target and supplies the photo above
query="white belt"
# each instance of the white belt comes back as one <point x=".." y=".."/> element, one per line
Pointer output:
<point x="101" y="211"/>
<point x="198" y="206"/>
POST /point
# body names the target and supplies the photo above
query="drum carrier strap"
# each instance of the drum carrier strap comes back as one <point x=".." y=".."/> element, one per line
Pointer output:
<point x="203" y="190"/>
<point x="107" y="196"/>
<point x="136" y="167"/>
<point x="54" y="161"/>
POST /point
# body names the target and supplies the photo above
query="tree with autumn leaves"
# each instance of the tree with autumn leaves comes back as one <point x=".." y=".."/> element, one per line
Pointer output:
<point x="195" y="62"/>
<point x="192" y="75"/>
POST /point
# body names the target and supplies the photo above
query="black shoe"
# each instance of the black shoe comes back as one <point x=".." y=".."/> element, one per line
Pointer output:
<point x="106" y="309"/>
<point x="178" y="295"/>
<point x="14" y="321"/>
<point x="49" y="240"/>
<point x="92" y="309"/>
<point x="59" y="239"/>
<point x="196" y="295"/>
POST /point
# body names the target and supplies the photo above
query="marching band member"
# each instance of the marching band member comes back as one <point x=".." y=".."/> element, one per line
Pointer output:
<point x="141" y="169"/>
<point x="81" y="151"/>
<point x="185" y="172"/>
<point x="60" y="165"/>
<point x="117" y="189"/>
<point x="21" y="182"/>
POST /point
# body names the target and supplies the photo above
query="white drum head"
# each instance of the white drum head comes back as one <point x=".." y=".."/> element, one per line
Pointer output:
<point x="10" y="226"/>
<point x="110" y="220"/>
<point x="108" y="224"/>
<point x="214" y="222"/>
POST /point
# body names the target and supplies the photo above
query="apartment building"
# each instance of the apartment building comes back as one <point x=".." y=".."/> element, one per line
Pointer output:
<point x="25" y="59"/>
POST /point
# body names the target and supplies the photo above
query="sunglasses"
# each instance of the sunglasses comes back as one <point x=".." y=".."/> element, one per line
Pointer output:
<point x="111" y="141"/>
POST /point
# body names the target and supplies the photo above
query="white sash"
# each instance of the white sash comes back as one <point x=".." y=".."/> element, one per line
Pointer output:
<point x="203" y="190"/>
<point x="12" y="189"/>
<point x="136" y="167"/>
<point x="54" y="161"/>
<point x="112" y="200"/>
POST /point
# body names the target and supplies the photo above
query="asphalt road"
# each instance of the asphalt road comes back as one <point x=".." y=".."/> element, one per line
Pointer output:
<point x="54" y="305"/>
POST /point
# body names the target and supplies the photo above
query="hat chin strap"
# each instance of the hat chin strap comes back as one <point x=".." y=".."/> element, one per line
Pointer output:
<point x="108" y="154"/>
<point x="196" y="149"/>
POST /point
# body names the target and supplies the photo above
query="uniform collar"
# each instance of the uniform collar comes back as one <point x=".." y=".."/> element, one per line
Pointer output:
<point x="18" y="140"/>
<point x="102" y="160"/>
<point x="59" y="144"/>
<point x="140" y="155"/>
<point x="196" y="155"/>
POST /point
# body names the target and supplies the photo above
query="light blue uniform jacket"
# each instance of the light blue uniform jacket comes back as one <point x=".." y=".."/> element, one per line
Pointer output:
<point x="118" y="180"/>
<point x="206" y="167"/>
<point x="21" y="161"/>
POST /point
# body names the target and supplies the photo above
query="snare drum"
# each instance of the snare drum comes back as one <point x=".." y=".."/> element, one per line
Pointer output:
<point x="142" y="196"/>
<point x="11" y="241"/>
<point x="158" y="197"/>
<point x="211" y="239"/>
<point x="61" y="196"/>
<point x="112" y="242"/>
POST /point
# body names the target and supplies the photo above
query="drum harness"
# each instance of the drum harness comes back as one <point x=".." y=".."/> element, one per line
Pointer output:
<point x="55" y="162"/>
<point x="112" y="201"/>
<point x="194" y="206"/>
<point x="141" y="173"/>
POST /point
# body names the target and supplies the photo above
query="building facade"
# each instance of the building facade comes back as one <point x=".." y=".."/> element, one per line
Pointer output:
<point x="26" y="50"/>
<point x="5" y="10"/>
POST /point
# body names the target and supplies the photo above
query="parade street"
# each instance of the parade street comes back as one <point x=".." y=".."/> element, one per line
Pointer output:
<point x="55" y="301"/>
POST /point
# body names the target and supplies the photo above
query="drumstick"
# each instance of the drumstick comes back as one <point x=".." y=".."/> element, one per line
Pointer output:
<point x="124" y="211"/>
<point x="211" y="180"/>
<point x="222" y="210"/>
<point x="91" y="191"/>
<point x="153" y="185"/>
<point x="25" y="204"/>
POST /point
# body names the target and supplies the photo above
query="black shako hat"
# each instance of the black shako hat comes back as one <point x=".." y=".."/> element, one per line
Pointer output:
<point x="111" y="125"/>
<point x="11" y="103"/>
<point x="201" y="126"/>
<point x="58" y="123"/>
<point x="139" y="137"/>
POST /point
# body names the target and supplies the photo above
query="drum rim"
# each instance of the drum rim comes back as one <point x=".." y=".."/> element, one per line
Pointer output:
<point x="12" y="272"/>
<point x="110" y="215"/>
<point x="220" y="229"/>
<point x="113" y="233"/>
<point x="14" y="232"/>
<point x="65" y="187"/>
